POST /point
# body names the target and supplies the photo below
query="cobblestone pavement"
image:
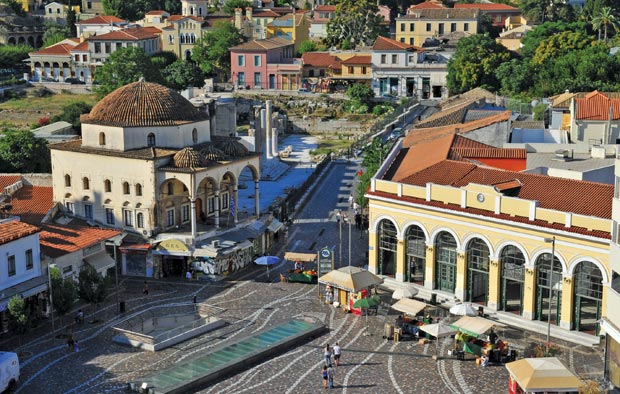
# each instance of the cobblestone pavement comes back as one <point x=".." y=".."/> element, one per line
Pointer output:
<point x="370" y="364"/>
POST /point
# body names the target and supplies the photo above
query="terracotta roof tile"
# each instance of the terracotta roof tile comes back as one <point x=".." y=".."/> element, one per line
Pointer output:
<point x="13" y="230"/>
<point x="81" y="47"/>
<point x="490" y="153"/>
<point x="101" y="20"/>
<point x="440" y="14"/>
<point x="597" y="106"/>
<point x="507" y="185"/>
<point x="358" y="59"/>
<point x="446" y="117"/>
<point x="432" y="4"/>
<point x="266" y="14"/>
<point x="132" y="34"/>
<point x="55" y="50"/>
<point x="157" y="12"/>
<point x="319" y="59"/>
<point x="32" y="203"/>
<point x="262" y="45"/>
<point x="468" y="126"/>
<point x="567" y="195"/>
<point x="176" y="18"/>
<point x="8" y="180"/>
<point x="58" y="240"/>
<point x="326" y="7"/>
<point x="387" y="44"/>
<point x="487" y="7"/>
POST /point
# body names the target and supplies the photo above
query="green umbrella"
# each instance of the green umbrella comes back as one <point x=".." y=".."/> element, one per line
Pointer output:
<point x="365" y="303"/>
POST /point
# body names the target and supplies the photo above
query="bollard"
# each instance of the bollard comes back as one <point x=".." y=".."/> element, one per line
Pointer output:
<point x="194" y="299"/>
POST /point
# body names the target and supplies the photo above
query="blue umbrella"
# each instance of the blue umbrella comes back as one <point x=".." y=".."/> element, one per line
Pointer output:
<point x="267" y="260"/>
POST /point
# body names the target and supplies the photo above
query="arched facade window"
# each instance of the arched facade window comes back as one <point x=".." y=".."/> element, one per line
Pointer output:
<point x="150" y="140"/>
<point x="138" y="189"/>
<point x="445" y="262"/>
<point x="125" y="187"/>
<point x="415" y="254"/>
<point x="101" y="138"/>
<point x="107" y="186"/>
<point x="182" y="38"/>
<point x="588" y="297"/>
<point x="512" y="280"/>
<point x="170" y="187"/>
<point x="170" y="39"/>
<point x="195" y="136"/>
<point x="387" y="248"/>
<point x="85" y="183"/>
<point x="140" y="220"/>
<point x="477" y="271"/>
<point x="548" y="282"/>
<point x="67" y="180"/>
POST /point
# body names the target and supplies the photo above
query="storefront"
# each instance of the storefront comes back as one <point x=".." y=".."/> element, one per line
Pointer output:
<point x="34" y="293"/>
<point x="136" y="260"/>
<point x="171" y="258"/>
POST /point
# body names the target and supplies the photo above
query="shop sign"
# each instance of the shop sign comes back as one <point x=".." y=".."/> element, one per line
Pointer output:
<point x="172" y="245"/>
<point x="326" y="261"/>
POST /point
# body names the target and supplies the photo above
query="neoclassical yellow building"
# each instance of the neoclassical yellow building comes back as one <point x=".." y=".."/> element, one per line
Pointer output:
<point x="459" y="230"/>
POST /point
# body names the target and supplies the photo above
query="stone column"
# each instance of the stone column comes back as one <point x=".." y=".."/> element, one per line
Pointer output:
<point x="274" y="142"/>
<point x="494" y="284"/>
<point x="461" y="274"/>
<point x="257" y="198"/>
<point x="268" y="133"/>
<point x="568" y="287"/>
<point x="400" y="261"/>
<point x="192" y="205"/>
<point x="429" y="275"/>
<point x="236" y="200"/>
<point x="217" y="208"/>
<point x="373" y="247"/>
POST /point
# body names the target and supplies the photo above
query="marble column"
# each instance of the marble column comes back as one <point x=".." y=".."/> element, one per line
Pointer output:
<point x="236" y="200"/>
<point x="268" y="135"/>
<point x="217" y="208"/>
<point x="192" y="208"/>
<point x="257" y="198"/>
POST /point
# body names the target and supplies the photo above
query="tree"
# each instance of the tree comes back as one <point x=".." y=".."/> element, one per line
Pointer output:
<point x="22" y="152"/>
<point x="163" y="59"/>
<point x="71" y="19"/>
<point x="230" y="5"/>
<point x="125" y="66"/>
<point x="54" y="33"/>
<point x="64" y="293"/>
<point x="307" y="46"/>
<point x="534" y="37"/>
<point x="360" y="93"/>
<point x="606" y="17"/>
<point x="11" y="56"/>
<point x="71" y="113"/>
<point x="181" y="75"/>
<point x="20" y="315"/>
<point x="560" y="44"/>
<point x="516" y="77"/>
<point x="212" y="51"/>
<point x="355" y="23"/>
<point x="374" y="155"/>
<point x="92" y="287"/>
<point x="15" y="6"/>
<point x="474" y="64"/>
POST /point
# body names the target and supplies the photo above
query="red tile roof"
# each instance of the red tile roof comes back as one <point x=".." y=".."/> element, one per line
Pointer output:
<point x="266" y="14"/>
<point x="326" y="7"/>
<point x="14" y="230"/>
<point x="156" y="13"/>
<point x="101" y="20"/>
<point x="58" y="240"/>
<point x="174" y="18"/>
<point x="567" y="195"/>
<point x="432" y="4"/>
<point x="132" y="34"/>
<point x="597" y="106"/>
<point x="57" y="49"/>
<point x="8" y="180"/>
<point x="81" y="47"/>
<point x="387" y="44"/>
<point x="487" y="6"/>
<point x="358" y="59"/>
<point x="32" y="203"/>
<point x="319" y="59"/>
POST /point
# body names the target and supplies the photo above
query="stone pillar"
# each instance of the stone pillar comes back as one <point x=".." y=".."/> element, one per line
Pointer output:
<point x="268" y="136"/>
<point x="494" y="284"/>
<point x="192" y="216"/>
<point x="461" y="275"/>
<point x="400" y="261"/>
<point x="274" y="142"/>
<point x="217" y="208"/>
<point x="568" y="287"/>
<point x="529" y="293"/>
<point x="373" y="245"/>
<point x="429" y="275"/>
<point x="236" y="200"/>
<point x="257" y="198"/>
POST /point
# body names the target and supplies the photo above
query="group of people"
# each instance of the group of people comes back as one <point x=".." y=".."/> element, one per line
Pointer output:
<point x="328" y="369"/>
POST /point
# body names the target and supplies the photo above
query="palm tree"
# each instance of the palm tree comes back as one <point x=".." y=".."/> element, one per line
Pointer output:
<point x="606" y="17"/>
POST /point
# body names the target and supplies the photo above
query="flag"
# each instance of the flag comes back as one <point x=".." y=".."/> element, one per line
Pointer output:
<point x="232" y="206"/>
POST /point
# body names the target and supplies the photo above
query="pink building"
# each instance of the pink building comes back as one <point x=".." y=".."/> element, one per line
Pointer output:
<point x="266" y="64"/>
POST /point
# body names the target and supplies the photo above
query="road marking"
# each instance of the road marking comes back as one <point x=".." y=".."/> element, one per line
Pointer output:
<point x="391" y="371"/>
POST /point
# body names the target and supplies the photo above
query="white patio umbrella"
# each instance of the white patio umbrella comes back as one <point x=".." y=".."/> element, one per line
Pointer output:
<point x="404" y="292"/>
<point x="438" y="330"/>
<point x="464" y="310"/>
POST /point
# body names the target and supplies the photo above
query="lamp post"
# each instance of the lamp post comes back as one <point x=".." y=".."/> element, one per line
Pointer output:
<point x="552" y="241"/>
<point x="349" y="241"/>
<point x="340" y="242"/>
<point x="49" y="278"/>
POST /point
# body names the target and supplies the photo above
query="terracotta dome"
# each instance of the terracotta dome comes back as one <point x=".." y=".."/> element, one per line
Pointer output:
<point x="234" y="148"/>
<point x="143" y="104"/>
<point x="212" y="153"/>
<point x="188" y="158"/>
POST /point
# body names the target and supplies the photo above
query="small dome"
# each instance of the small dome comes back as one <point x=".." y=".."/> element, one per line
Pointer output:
<point x="212" y="153"/>
<point x="234" y="148"/>
<point x="188" y="158"/>
<point x="143" y="104"/>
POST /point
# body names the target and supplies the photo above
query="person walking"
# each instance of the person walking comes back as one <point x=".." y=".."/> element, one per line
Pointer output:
<point x="338" y="216"/>
<point x="350" y="200"/>
<point x="337" y="351"/>
<point x="330" y="377"/>
<point x="327" y="353"/>
<point x="324" y="372"/>
<point x="70" y="342"/>
<point x="145" y="289"/>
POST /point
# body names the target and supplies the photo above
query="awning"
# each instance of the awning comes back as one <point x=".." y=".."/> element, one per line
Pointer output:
<point x="543" y="374"/>
<point x="25" y="289"/>
<point x="409" y="306"/>
<point x="100" y="261"/>
<point x="172" y="247"/>
<point x="475" y="325"/>
<point x="225" y="249"/>
<point x="258" y="226"/>
<point x="352" y="279"/>
<point x="305" y="257"/>
<point x="275" y="225"/>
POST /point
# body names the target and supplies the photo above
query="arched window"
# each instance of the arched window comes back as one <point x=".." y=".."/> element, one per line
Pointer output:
<point x="138" y="189"/>
<point x="140" y="220"/>
<point x="170" y="188"/>
<point x="195" y="135"/>
<point x="150" y="140"/>
<point x="107" y="186"/>
<point x="102" y="138"/>
<point x="199" y="11"/>
<point x="182" y="38"/>
<point x="170" y="39"/>
<point x="125" y="187"/>
<point x="445" y="262"/>
<point x="67" y="180"/>
<point x="85" y="183"/>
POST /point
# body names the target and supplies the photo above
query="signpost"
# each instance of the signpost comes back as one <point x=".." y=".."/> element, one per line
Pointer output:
<point x="325" y="264"/>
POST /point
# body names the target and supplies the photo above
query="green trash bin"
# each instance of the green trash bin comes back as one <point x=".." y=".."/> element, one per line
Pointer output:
<point x="433" y="299"/>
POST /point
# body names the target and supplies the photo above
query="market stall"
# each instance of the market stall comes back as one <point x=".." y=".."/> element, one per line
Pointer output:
<point x="347" y="285"/>
<point x="470" y="338"/>
<point x="545" y="374"/>
<point x="301" y="273"/>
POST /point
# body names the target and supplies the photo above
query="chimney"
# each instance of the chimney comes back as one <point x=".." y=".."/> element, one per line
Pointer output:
<point x="248" y="13"/>
<point x="238" y="18"/>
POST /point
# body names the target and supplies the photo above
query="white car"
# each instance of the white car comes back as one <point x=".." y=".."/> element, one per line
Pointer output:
<point x="9" y="371"/>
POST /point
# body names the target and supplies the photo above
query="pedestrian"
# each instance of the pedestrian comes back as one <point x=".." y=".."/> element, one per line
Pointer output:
<point x="356" y="207"/>
<point x="337" y="352"/>
<point x="358" y="221"/>
<point x="350" y="200"/>
<point x="79" y="317"/>
<point x="188" y="276"/>
<point x="324" y="373"/>
<point x="70" y="342"/>
<point x="345" y="218"/>
<point x="327" y="353"/>
<point x="76" y="347"/>
<point x="145" y="289"/>
<point x="338" y="216"/>
<point x="330" y="377"/>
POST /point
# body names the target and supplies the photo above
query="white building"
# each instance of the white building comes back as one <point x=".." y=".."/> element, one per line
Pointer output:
<point x="100" y="24"/>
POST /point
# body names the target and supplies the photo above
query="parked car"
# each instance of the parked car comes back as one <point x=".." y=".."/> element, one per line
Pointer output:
<point x="396" y="134"/>
<point x="48" y="79"/>
<point x="74" y="81"/>
<point x="303" y="90"/>
<point x="9" y="365"/>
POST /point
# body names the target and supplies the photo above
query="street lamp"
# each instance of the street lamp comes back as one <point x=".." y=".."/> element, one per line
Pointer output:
<point x="552" y="242"/>
<point x="349" y="220"/>
<point x="340" y="241"/>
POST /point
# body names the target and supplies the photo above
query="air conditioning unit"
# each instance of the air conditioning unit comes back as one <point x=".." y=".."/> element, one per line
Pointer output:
<point x="215" y="244"/>
<point x="147" y="233"/>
